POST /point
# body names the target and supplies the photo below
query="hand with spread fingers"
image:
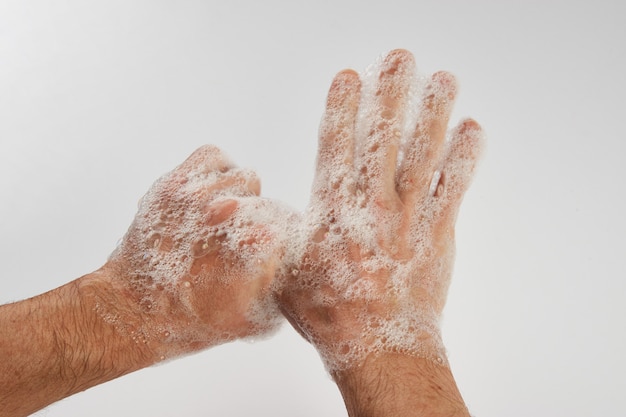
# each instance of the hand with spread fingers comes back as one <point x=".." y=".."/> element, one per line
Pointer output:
<point x="369" y="283"/>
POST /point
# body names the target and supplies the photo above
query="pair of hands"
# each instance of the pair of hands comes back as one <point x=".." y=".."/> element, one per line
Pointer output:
<point x="364" y="270"/>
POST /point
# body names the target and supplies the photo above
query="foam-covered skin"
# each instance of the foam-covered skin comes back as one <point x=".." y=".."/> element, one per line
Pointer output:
<point x="198" y="260"/>
<point x="373" y="266"/>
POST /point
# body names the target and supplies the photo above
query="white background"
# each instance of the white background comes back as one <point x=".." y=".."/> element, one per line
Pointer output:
<point x="99" y="98"/>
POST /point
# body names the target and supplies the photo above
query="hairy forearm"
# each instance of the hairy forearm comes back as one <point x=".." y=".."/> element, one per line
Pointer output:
<point x="56" y="344"/>
<point x="391" y="384"/>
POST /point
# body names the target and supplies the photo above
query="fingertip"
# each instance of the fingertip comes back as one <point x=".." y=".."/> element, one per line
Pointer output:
<point x="469" y="137"/>
<point x="399" y="57"/>
<point x="399" y="51"/>
<point x="469" y="124"/>
<point x="346" y="76"/>
<point x="219" y="211"/>
<point x="245" y="181"/>
<point x="207" y="158"/>
<point x="446" y="82"/>
<point x="394" y="74"/>
<point x="464" y="148"/>
<point x="347" y="73"/>
<point x="345" y="85"/>
<point x="439" y="98"/>
<point x="206" y="151"/>
<point x="254" y="183"/>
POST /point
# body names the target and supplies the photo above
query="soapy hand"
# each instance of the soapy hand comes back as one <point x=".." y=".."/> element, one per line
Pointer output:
<point x="376" y="256"/>
<point x="198" y="260"/>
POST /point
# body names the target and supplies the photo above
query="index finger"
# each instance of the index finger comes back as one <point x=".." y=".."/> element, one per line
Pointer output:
<point x="336" y="139"/>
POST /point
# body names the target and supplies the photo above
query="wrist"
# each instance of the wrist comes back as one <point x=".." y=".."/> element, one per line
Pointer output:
<point x="105" y="331"/>
<point x="397" y="384"/>
<point x="57" y="344"/>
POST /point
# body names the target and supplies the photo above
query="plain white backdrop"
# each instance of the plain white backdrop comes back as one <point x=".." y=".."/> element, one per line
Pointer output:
<point x="98" y="99"/>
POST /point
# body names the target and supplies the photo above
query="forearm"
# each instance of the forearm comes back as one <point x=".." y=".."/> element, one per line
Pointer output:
<point x="390" y="384"/>
<point x="57" y="344"/>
